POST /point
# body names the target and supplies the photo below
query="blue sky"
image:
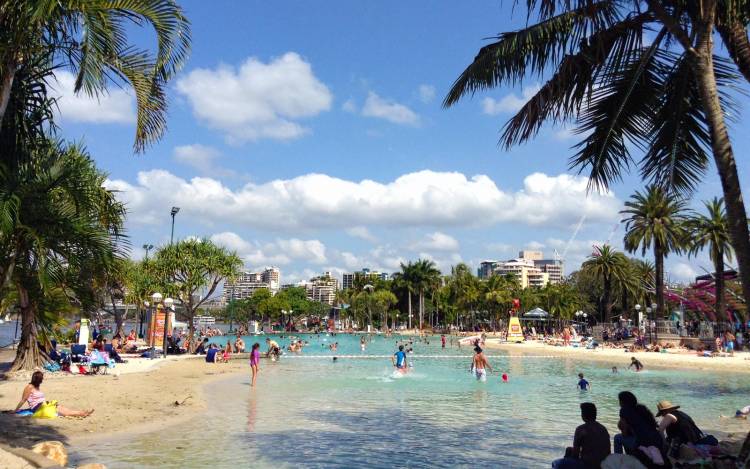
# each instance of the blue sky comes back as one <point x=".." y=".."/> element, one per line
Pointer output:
<point x="310" y="136"/>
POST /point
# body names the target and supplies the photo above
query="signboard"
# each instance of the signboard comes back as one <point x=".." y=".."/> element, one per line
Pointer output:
<point x="156" y="329"/>
<point x="83" y="332"/>
<point x="515" y="333"/>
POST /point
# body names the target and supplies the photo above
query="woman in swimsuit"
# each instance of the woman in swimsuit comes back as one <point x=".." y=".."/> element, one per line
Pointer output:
<point x="227" y="352"/>
<point x="35" y="398"/>
<point x="255" y="361"/>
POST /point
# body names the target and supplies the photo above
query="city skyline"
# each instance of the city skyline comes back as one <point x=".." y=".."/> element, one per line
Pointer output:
<point x="295" y="151"/>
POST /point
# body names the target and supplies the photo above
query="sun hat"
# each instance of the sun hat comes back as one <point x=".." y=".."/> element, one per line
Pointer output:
<point x="664" y="407"/>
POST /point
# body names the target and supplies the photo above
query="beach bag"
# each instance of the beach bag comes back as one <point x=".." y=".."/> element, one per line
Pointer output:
<point x="51" y="366"/>
<point x="47" y="410"/>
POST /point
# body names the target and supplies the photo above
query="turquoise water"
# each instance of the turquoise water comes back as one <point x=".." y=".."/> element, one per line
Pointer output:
<point x="312" y="412"/>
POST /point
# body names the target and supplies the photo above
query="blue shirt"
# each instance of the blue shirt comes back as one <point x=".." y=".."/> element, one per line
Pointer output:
<point x="211" y="355"/>
<point x="583" y="384"/>
<point x="400" y="358"/>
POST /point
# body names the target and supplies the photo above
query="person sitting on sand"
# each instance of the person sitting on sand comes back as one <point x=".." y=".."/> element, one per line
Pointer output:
<point x="239" y="345"/>
<point x="202" y="347"/>
<point x="679" y="427"/>
<point x="637" y="424"/>
<point x="212" y="354"/>
<point x="227" y="352"/>
<point x="591" y="443"/>
<point x="34" y="398"/>
<point x="634" y="362"/>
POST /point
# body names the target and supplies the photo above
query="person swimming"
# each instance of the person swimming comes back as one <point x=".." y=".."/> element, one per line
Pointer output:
<point x="399" y="359"/>
<point x="614" y="370"/>
<point x="479" y="363"/>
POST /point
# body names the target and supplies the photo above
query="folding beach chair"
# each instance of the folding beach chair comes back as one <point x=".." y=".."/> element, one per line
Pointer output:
<point x="78" y="353"/>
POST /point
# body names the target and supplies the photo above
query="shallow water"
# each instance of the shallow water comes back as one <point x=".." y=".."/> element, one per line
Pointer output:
<point x="308" y="411"/>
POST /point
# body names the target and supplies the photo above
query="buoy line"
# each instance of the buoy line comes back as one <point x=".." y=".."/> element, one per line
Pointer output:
<point x="418" y="356"/>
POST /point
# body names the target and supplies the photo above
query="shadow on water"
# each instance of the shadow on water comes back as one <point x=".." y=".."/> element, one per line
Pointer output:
<point x="392" y="438"/>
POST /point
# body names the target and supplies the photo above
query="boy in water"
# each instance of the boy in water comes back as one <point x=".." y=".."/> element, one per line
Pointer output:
<point x="583" y="385"/>
<point x="634" y="362"/>
<point x="399" y="359"/>
<point x="478" y="364"/>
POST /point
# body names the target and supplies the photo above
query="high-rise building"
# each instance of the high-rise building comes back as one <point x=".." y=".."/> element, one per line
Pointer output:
<point x="244" y="286"/>
<point x="553" y="267"/>
<point x="272" y="276"/>
<point x="531" y="255"/>
<point x="366" y="274"/>
<point x="527" y="274"/>
<point x="486" y="268"/>
<point x="322" y="289"/>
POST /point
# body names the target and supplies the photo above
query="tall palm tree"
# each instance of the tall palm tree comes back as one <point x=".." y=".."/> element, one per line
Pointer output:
<point x="91" y="38"/>
<point x="609" y="265"/>
<point x="424" y="277"/>
<point x="711" y="230"/>
<point x="667" y="98"/>
<point x="656" y="220"/>
<point x="406" y="281"/>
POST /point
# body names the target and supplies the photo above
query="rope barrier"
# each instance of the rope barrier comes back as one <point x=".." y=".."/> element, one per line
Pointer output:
<point x="287" y="355"/>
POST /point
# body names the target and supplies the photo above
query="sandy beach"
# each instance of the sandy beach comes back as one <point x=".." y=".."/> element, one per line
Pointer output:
<point x="140" y="398"/>
<point x="675" y="359"/>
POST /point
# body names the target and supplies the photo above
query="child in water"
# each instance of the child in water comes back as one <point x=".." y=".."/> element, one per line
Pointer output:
<point x="583" y="385"/>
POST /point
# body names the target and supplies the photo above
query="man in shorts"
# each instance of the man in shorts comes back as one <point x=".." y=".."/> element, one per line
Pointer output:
<point x="479" y="363"/>
<point x="399" y="359"/>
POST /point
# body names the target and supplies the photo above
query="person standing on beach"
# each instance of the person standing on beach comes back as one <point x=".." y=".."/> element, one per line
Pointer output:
<point x="479" y="363"/>
<point x="255" y="362"/>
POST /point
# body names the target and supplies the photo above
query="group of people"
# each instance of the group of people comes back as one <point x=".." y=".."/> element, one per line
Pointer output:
<point x="652" y="443"/>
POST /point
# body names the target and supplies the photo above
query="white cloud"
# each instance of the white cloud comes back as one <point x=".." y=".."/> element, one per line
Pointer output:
<point x="436" y="241"/>
<point x="509" y="103"/>
<point x="534" y="245"/>
<point x="426" y="93"/>
<point x="257" y="100"/>
<point x="565" y="134"/>
<point x="375" y="106"/>
<point x="278" y="252"/>
<point x="361" y="232"/>
<point x="349" y="106"/>
<point x="116" y="106"/>
<point x="683" y="272"/>
<point x="498" y="247"/>
<point x="202" y="158"/>
<point x="315" y="201"/>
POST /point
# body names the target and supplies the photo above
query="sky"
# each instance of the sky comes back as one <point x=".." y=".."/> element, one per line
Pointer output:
<point x="310" y="136"/>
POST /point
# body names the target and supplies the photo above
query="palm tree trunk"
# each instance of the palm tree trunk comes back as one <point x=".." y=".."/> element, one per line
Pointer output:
<point x="719" y="282"/>
<point x="607" y="299"/>
<point x="409" y="297"/>
<point x="722" y="150"/>
<point x="8" y="74"/>
<point x="118" y="319"/>
<point x="28" y="354"/>
<point x="421" y="307"/>
<point x="659" y="262"/>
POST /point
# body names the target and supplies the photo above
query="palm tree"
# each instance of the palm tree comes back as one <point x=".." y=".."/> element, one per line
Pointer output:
<point x="609" y="265"/>
<point x="405" y="280"/>
<point x="656" y="219"/>
<point x="425" y="276"/>
<point x="711" y="230"/>
<point x="667" y="98"/>
<point x="91" y="38"/>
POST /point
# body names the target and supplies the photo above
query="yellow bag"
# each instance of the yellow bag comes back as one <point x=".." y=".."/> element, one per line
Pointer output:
<point x="48" y="410"/>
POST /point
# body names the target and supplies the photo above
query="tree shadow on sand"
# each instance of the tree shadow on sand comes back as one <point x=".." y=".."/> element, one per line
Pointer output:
<point x="392" y="438"/>
<point x="26" y="431"/>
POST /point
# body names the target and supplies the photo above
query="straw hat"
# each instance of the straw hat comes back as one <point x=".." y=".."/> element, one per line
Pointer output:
<point x="665" y="406"/>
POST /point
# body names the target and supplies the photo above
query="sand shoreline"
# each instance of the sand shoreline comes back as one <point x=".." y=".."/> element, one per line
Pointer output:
<point x="740" y="363"/>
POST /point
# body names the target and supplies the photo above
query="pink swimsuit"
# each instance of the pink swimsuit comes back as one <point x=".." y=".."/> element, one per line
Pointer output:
<point x="35" y="398"/>
<point x="254" y="357"/>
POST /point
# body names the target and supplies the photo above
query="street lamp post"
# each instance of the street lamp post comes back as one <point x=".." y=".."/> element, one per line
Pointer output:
<point x="146" y="304"/>
<point x="175" y="211"/>
<point x="648" y="316"/>
<point x="656" y="330"/>
<point x="640" y="319"/>
<point x="147" y="247"/>
<point x="168" y="302"/>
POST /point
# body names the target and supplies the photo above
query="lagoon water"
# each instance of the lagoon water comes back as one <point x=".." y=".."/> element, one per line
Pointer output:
<point x="308" y="411"/>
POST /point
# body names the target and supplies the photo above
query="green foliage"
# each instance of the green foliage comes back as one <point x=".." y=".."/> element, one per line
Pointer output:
<point x="190" y="271"/>
<point x="91" y="38"/>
